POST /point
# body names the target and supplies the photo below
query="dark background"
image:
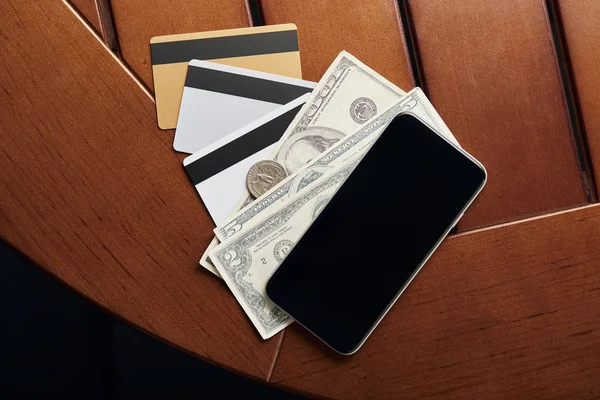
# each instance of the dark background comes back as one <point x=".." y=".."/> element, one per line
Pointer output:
<point x="53" y="341"/>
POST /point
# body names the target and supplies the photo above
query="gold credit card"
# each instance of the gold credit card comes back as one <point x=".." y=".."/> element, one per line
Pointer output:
<point x="272" y="49"/>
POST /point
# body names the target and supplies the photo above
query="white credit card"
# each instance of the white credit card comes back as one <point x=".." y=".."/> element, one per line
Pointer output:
<point x="219" y="170"/>
<point x="219" y="99"/>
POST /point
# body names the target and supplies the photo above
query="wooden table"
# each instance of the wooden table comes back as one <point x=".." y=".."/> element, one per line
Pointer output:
<point x="91" y="190"/>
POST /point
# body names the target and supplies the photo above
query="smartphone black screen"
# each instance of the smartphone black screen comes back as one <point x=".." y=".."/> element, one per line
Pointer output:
<point x="375" y="233"/>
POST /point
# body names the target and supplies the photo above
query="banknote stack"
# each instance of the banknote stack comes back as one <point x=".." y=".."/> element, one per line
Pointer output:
<point x="283" y="186"/>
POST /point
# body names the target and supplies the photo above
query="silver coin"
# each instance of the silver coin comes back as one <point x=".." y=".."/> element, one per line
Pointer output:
<point x="263" y="175"/>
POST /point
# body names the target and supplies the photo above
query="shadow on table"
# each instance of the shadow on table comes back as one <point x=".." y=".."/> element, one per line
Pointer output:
<point x="53" y="341"/>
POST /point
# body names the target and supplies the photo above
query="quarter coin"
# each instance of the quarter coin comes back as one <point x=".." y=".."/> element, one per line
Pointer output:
<point x="263" y="175"/>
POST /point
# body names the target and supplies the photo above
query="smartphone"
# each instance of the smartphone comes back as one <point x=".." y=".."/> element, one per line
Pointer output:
<point x="376" y="233"/>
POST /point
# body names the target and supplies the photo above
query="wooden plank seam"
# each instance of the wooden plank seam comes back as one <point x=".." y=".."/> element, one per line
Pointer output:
<point x="129" y="72"/>
<point x="255" y="14"/>
<point x="572" y="100"/>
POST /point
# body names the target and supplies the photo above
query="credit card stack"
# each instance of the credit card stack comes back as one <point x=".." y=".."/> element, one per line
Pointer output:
<point x="261" y="139"/>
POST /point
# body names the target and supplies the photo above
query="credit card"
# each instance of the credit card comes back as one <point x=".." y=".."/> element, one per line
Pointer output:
<point x="272" y="49"/>
<point x="219" y="170"/>
<point x="219" y="99"/>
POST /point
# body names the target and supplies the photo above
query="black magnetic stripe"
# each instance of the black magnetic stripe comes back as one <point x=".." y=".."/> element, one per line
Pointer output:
<point x="240" y="148"/>
<point x="224" y="47"/>
<point x="243" y="86"/>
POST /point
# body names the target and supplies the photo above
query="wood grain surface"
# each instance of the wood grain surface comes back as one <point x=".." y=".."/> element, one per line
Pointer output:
<point x="491" y="72"/>
<point x="137" y="21"/>
<point x="88" y="10"/>
<point x="370" y="30"/>
<point x="581" y="24"/>
<point x="93" y="192"/>
<point x="509" y="312"/>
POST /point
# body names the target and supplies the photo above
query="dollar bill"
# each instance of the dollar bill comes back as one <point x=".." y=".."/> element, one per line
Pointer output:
<point x="248" y="258"/>
<point x="351" y="147"/>
<point x="348" y="95"/>
<point x="246" y="261"/>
